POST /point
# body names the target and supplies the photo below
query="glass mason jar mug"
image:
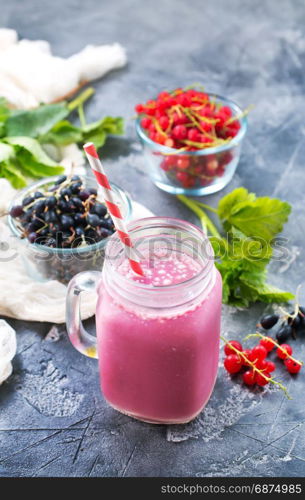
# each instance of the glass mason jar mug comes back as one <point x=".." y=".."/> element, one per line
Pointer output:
<point x="157" y="336"/>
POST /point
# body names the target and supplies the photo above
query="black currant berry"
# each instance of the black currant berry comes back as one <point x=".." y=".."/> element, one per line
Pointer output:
<point x="27" y="200"/>
<point x="283" y="333"/>
<point x="66" y="221"/>
<point x="93" y="220"/>
<point x="16" y="211"/>
<point x="61" y="179"/>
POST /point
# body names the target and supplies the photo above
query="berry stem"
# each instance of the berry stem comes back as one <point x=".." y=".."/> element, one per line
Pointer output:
<point x="81" y="98"/>
<point x="81" y="115"/>
<point x="255" y="369"/>
<point x="296" y="306"/>
<point x="207" y="207"/>
<point x="257" y="334"/>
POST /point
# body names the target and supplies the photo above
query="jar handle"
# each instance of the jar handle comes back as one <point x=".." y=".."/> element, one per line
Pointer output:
<point x="85" y="343"/>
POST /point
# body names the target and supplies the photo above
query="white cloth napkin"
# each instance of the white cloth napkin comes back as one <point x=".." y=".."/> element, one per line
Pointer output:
<point x="30" y="74"/>
<point x="21" y="297"/>
<point x="8" y="346"/>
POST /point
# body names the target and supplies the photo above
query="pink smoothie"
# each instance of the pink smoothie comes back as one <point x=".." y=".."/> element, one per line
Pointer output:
<point x="161" y="367"/>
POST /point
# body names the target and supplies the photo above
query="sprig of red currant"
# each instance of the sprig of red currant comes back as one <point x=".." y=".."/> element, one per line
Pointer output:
<point x="258" y="368"/>
<point x="283" y="352"/>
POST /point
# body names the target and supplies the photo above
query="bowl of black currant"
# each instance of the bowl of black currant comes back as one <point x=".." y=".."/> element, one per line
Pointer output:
<point x="63" y="225"/>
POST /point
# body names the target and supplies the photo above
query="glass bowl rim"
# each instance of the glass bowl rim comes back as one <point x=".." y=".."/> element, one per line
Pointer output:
<point x="206" y="151"/>
<point x="63" y="251"/>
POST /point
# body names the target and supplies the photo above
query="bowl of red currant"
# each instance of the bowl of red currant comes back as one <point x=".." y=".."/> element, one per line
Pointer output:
<point x="63" y="225"/>
<point x="191" y="140"/>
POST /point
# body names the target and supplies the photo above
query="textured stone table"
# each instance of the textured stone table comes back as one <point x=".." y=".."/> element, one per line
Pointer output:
<point x="53" y="420"/>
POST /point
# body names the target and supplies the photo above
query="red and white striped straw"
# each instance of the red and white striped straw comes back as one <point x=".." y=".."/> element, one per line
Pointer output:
<point x="112" y="206"/>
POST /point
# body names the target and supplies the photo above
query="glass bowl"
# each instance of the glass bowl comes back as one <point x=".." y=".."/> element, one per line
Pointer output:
<point x="43" y="263"/>
<point x="211" y="169"/>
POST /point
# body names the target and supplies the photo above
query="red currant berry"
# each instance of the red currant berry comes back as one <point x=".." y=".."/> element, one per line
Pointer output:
<point x="183" y="162"/>
<point x="164" y="122"/>
<point x="259" y="352"/>
<point x="180" y="132"/>
<point x="270" y="366"/>
<point x="184" y="100"/>
<point x="182" y="177"/>
<point x="160" y="139"/>
<point x="292" y="366"/>
<point x="249" y="377"/>
<point x="267" y="343"/>
<point x="139" y="108"/>
<point x="260" y="380"/>
<point x="152" y="128"/>
<point x="152" y="136"/>
<point x="220" y="171"/>
<point x="211" y="166"/>
<point x="204" y="139"/>
<point x="249" y="356"/>
<point x="234" y="343"/>
<point x="232" y="363"/>
<point x="165" y="166"/>
<point x="189" y="183"/>
<point x="170" y="143"/>
<point x="226" y="111"/>
<point x="159" y="113"/>
<point x="283" y="351"/>
<point x="193" y="134"/>
<point x="170" y="160"/>
<point x="206" y="181"/>
<point x="206" y="111"/>
<point x="226" y="158"/>
<point x="179" y="118"/>
<point x="163" y="95"/>
<point x="261" y="364"/>
<point x="207" y="127"/>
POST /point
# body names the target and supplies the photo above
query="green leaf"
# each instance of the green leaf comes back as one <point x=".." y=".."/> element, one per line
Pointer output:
<point x="9" y="168"/>
<point x="62" y="134"/>
<point x="242" y="257"/>
<point x="33" y="160"/>
<point x="267" y="293"/>
<point x="11" y="172"/>
<point x="263" y="217"/>
<point x="5" y="111"/>
<point x="35" y="122"/>
<point x="6" y="152"/>
<point x="271" y="294"/>
<point x="97" y="132"/>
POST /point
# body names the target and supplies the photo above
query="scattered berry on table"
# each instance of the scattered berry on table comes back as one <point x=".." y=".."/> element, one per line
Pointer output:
<point x="261" y="364"/>
<point x="270" y="367"/>
<point x="283" y="333"/>
<point x="249" y="377"/>
<point x="233" y="363"/>
<point x="261" y="380"/>
<point x="249" y="355"/>
<point x="234" y="343"/>
<point x="267" y="343"/>
<point x="292" y="366"/>
<point x="269" y="321"/>
<point x="259" y="352"/>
